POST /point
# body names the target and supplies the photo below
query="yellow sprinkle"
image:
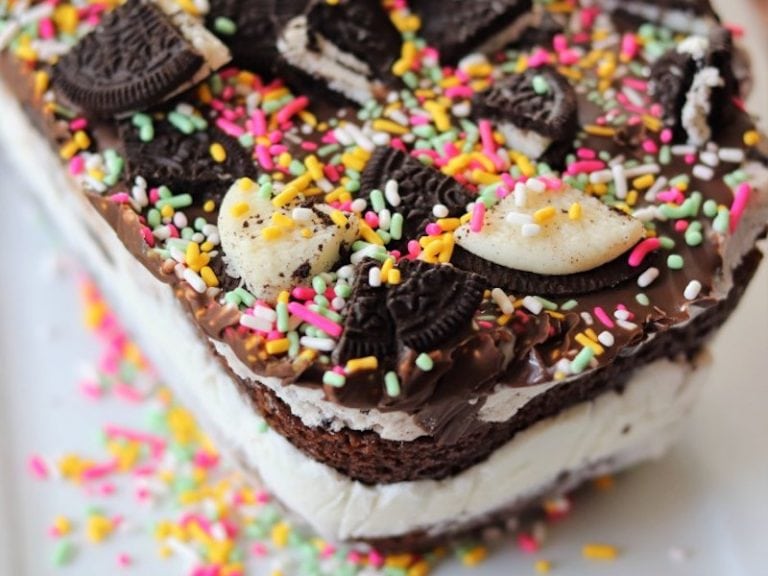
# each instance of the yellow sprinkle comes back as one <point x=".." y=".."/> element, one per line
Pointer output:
<point x="62" y="525"/>
<point x="484" y="161"/>
<point x="276" y="94"/>
<point x="421" y="568"/>
<point x="653" y="124"/>
<point x="308" y="118"/>
<point x="306" y="233"/>
<point x="42" y="81"/>
<point x="280" y="533"/>
<point x="98" y="528"/>
<point x="339" y="219"/>
<point x="465" y="218"/>
<point x="386" y="267"/>
<point x="209" y="277"/>
<point x="389" y="126"/>
<point x="271" y="233"/>
<point x="246" y="184"/>
<point x="167" y="211"/>
<point x="587" y="343"/>
<point x="432" y="251"/>
<point x="399" y="561"/>
<point x="544" y="214"/>
<point x="394" y="277"/>
<point x="632" y="196"/>
<point x="218" y="153"/>
<point x="280" y="219"/>
<point x="525" y="165"/>
<point x="595" y="130"/>
<point x="68" y="150"/>
<point x="82" y="140"/>
<point x="66" y="18"/>
<point x="406" y="22"/>
<point x="207" y="246"/>
<point x="284" y="296"/>
<point x="280" y="346"/>
<point x="448" y="224"/>
<point x="448" y="245"/>
<point x="643" y="182"/>
<point x="751" y="138"/>
<point x="439" y="116"/>
<point x="362" y="364"/>
<point x="503" y="320"/>
<point x="604" y="482"/>
<point x="475" y="556"/>
<point x="591" y="334"/>
<point x="209" y="206"/>
<point x="457" y="164"/>
<point x="542" y="566"/>
<point x="353" y="162"/>
<point x="367" y="233"/>
<point x="482" y="177"/>
<point x="479" y="70"/>
<point x="599" y="552"/>
<point x="239" y="209"/>
<point x="292" y="190"/>
<point x="574" y="212"/>
<point x="314" y="167"/>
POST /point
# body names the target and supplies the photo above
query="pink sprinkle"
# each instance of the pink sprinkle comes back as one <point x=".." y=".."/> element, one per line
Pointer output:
<point x="478" y="217"/>
<point x="156" y="444"/>
<point x="154" y="195"/>
<point x="650" y="147"/>
<point x="148" y="237"/>
<point x="259" y="550"/>
<point x="629" y="46"/>
<point x="100" y="470"/>
<point x="303" y="293"/>
<point x="259" y="122"/>
<point x="278" y="149"/>
<point x="37" y="467"/>
<point x="666" y="136"/>
<point x="450" y="150"/>
<point x="206" y="460"/>
<point x="585" y="166"/>
<point x="603" y="317"/>
<point x="264" y="158"/>
<point x="559" y="43"/>
<point x="673" y="196"/>
<point x="230" y="128"/>
<point x="292" y="108"/>
<point x="77" y="165"/>
<point x="46" y="29"/>
<point x="540" y="57"/>
<point x="433" y="229"/>
<point x="78" y="124"/>
<point x="331" y="172"/>
<point x="681" y="225"/>
<point x="642" y="250"/>
<point x="128" y="393"/>
<point x="90" y="390"/>
<point x="372" y="219"/>
<point x="308" y="146"/>
<point x="263" y="497"/>
<point x="690" y="158"/>
<point x="120" y="198"/>
<point x="328" y="551"/>
<point x="588" y="16"/>
<point x="304" y="313"/>
<point x="376" y="560"/>
<point x="636" y="83"/>
<point x="398" y="144"/>
<point x="527" y="543"/>
<point x="568" y="57"/>
<point x="739" y="204"/>
<point x="123" y="560"/>
<point x="414" y="249"/>
<point x="419" y="120"/>
<point x="458" y="92"/>
<point x="354" y="557"/>
<point x="586" y="153"/>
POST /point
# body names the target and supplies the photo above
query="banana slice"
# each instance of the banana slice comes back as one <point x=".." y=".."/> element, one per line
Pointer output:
<point x="274" y="248"/>
<point x="551" y="232"/>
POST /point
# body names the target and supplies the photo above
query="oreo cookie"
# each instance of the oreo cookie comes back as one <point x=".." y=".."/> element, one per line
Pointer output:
<point x="350" y="45"/>
<point x="420" y="189"/>
<point x="433" y="303"/>
<point x="536" y="111"/>
<point x="459" y="27"/>
<point x="134" y="59"/>
<point x="688" y="16"/>
<point x="607" y="276"/>
<point x="368" y="327"/>
<point x="183" y="162"/>
<point x="695" y="84"/>
<point x="250" y="29"/>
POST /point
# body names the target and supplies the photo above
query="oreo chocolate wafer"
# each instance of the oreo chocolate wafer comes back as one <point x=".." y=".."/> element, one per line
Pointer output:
<point x="350" y="46"/>
<point x="420" y="188"/>
<point x="536" y="111"/>
<point x="137" y="57"/>
<point x="182" y="161"/>
<point x="689" y="16"/>
<point x="459" y="27"/>
<point x="432" y="303"/>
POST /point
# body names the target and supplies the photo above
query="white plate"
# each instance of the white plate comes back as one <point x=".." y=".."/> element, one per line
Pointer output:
<point x="708" y="497"/>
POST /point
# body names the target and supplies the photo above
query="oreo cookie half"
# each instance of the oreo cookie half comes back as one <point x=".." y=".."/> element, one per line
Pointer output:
<point x="137" y="57"/>
<point x="420" y="188"/>
<point x="605" y="277"/>
<point x="368" y="327"/>
<point x="694" y="83"/>
<point x="688" y="16"/>
<point x="432" y="303"/>
<point x="459" y="27"/>
<point x="250" y="29"/>
<point x="183" y="162"/>
<point x="351" y="46"/>
<point x="536" y="111"/>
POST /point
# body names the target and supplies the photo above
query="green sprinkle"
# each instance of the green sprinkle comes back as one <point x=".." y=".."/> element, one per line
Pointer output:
<point x="722" y="221"/>
<point x="164" y="192"/>
<point x="282" y="316"/>
<point x="424" y="362"/>
<point x="642" y="299"/>
<point x="377" y="201"/>
<point x="384" y="235"/>
<point x="334" y="379"/>
<point x="265" y="191"/>
<point x="232" y="299"/>
<point x="547" y="304"/>
<point x="114" y="164"/>
<point x="319" y="285"/>
<point x="570" y="305"/>
<point x="540" y="84"/>
<point x="321" y="301"/>
<point x="262" y="427"/>
<point x="580" y="363"/>
<point x="328" y="150"/>
<point x="665" y="155"/>
<point x="63" y="553"/>
<point x="666" y="242"/>
<point x="396" y="226"/>
<point x="392" y="384"/>
<point x="246" y="141"/>
<point x="294" y="348"/>
<point x="343" y="290"/>
<point x="225" y="26"/>
<point x="154" y="218"/>
<point x="181" y="122"/>
<point x="710" y="208"/>
<point x="176" y="202"/>
<point x="693" y="235"/>
<point x="245" y="297"/>
<point x="675" y="262"/>
<point x="296" y="168"/>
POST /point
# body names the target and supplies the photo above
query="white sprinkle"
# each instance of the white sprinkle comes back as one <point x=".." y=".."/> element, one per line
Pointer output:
<point x="184" y="551"/>
<point x="35" y="14"/>
<point x="321" y="344"/>
<point x="622" y="314"/>
<point x="218" y="532"/>
<point x="264" y="313"/>
<point x="606" y="338"/>
<point x="642" y="170"/>
<point x="521" y="195"/>
<point x="535" y="185"/>
<point x="194" y="280"/>
<point x="347" y="272"/>
<point x="533" y="305"/>
<point x="398" y="117"/>
<point x="338" y="303"/>
<point x="302" y="215"/>
<point x="518" y="218"/>
<point x="620" y="181"/>
<point x="374" y="277"/>
<point x="325" y="185"/>
<point x="359" y="138"/>
<point x="440" y="211"/>
<point x="683" y="149"/>
<point x="161" y="233"/>
<point x="381" y="139"/>
<point x="693" y="290"/>
<point x="385" y="219"/>
<point x="8" y="33"/>
<point x="703" y="172"/>
<point x="530" y="230"/>
<point x="587" y="317"/>
<point x="214" y="238"/>
<point x="710" y="158"/>
<point x="563" y="365"/>
<point x="626" y="325"/>
<point x="461" y="110"/>
<point x="255" y="323"/>
<point x="633" y="96"/>
<point x="198" y="237"/>
<point x="734" y="155"/>
<point x="646" y="214"/>
<point x="646" y="278"/>
<point x="344" y="138"/>
<point x="180" y="220"/>
<point x="473" y="59"/>
<point x="359" y="205"/>
<point x="659" y="185"/>
<point x="502" y="301"/>
<point x="177" y="255"/>
<point x="392" y="193"/>
<point x="601" y="177"/>
<point x="139" y="194"/>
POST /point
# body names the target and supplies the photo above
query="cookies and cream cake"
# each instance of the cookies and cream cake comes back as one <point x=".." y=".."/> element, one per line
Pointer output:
<point x="419" y="265"/>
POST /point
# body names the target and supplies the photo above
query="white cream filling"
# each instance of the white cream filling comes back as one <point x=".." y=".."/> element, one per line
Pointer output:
<point x="677" y="20"/>
<point x="343" y="72"/>
<point x="528" y="142"/>
<point x="698" y="105"/>
<point x="512" y="32"/>
<point x="590" y="433"/>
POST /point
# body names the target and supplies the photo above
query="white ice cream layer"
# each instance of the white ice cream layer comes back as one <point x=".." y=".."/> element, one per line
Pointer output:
<point x="528" y="142"/>
<point x="698" y="106"/>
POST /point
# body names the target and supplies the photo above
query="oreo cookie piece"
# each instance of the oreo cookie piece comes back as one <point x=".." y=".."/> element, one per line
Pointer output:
<point x="536" y="111"/>
<point x="432" y="303"/>
<point x="688" y="16"/>
<point x="420" y="188"/>
<point x="695" y="84"/>
<point x="459" y="27"/>
<point x="250" y="29"/>
<point x="350" y="45"/>
<point x="137" y="57"/>
<point x="183" y="162"/>
<point x="368" y="327"/>
<point x="607" y="276"/>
